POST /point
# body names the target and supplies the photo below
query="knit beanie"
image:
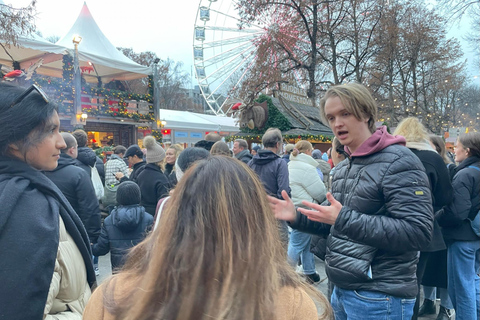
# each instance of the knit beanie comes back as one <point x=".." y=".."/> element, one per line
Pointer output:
<point x="128" y="193"/>
<point x="155" y="152"/>
<point x="187" y="158"/>
<point x="316" y="154"/>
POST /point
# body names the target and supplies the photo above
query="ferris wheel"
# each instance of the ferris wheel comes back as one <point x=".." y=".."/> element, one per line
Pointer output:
<point x="225" y="48"/>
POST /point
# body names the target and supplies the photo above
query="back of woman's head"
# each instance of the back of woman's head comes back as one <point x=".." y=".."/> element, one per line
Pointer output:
<point x="412" y="129"/>
<point x="471" y="140"/>
<point x="301" y="146"/>
<point x="17" y="121"/>
<point x="187" y="157"/>
<point x="439" y="146"/>
<point x="202" y="262"/>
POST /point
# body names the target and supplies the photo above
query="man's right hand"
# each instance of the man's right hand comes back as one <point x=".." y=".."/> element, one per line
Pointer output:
<point x="283" y="209"/>
<point x="119" y="175"/>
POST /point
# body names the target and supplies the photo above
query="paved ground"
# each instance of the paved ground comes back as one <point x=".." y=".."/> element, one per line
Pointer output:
<point x="106" y="270"/>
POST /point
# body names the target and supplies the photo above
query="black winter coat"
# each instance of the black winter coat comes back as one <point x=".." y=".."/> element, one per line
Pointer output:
<point x="466" y="202"/>
<point x="87" y="158"/>
<point x="442" y="191"/>
<point x="76" y="185"/>
<point x="272" y="171"/>
<point x="172" y="176"/>
<point x="153" y="185"/>
<point x="245" y="156"/>
<point x="387" y="217"/>
<point x="137" y="169"/>
<point x="123" y="229"/>
<point x="29" y="236"/>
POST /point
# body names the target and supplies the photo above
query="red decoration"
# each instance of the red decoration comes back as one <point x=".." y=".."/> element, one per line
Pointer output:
<point x="236" y="106"/>
<point x="166" y="131"/>
<point x="13" y="74"/>
<point x="87" y="68"/>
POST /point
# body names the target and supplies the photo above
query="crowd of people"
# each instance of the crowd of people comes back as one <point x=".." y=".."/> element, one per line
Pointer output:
<point x="213" y="232"/>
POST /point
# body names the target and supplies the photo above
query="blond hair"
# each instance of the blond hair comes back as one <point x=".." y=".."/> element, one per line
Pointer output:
<point x="356" y="99"/>
<point x="202" y="260"/>
<point x="412" y="130"/>
<point x="178" y="149"/>
<point x="302" y="146"/>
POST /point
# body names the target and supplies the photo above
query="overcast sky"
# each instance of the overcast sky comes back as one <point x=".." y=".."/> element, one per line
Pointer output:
<point x="164" y="27"/>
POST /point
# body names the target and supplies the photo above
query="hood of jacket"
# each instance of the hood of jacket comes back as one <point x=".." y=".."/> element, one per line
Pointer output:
<point x="379" y="140"/>
<point x="302" y="157"/>
<point x="64" y="161"/>
<point x="470" y="161"/>
<point x="87" y="156"/>
<point x="127" y="218"/>
<point x="243" y="153"/>
<point x="420" y="145"/>
<point x="264" y="157"/>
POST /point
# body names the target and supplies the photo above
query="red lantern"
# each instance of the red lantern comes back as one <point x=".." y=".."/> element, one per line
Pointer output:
<point x="166" y="131"/>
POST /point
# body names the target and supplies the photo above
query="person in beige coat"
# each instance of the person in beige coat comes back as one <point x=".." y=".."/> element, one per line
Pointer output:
<point x="211" y="257"/>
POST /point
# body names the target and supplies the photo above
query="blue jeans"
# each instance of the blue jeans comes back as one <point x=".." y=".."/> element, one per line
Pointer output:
<point x="430" y="293"/>
<point x="299" y="247"/>
<point x="463" y="266"/>
<point x="370" y="305"/>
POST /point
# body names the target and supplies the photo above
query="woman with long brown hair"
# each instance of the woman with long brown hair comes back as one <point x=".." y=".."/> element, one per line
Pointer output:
<point x="216" y="255"/>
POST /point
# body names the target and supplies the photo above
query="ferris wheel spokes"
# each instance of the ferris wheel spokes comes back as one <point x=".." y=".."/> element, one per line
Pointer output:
<point x="230" y="62"/>
<point x="230" y="72"/>
<point x="227" y="54"/>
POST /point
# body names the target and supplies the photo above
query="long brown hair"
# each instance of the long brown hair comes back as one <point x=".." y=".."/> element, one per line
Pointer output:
<point x="203" y="260"/>
<point x="439" y="145"/>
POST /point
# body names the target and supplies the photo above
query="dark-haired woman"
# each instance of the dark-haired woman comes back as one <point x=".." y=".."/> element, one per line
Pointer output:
<point x="45" y="267"/>
<point x="202" y="261"/>
<point x="463" y="245"/>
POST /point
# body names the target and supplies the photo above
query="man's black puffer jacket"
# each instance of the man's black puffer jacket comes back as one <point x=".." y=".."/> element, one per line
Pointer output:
<point x="387" y="217"/>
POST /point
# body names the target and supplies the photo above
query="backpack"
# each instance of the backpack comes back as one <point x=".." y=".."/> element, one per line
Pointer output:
<point x="97" y="183"/>
<point x="475" y="220"/>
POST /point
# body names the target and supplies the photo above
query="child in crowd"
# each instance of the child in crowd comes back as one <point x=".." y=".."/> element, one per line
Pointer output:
<point x="125" y="227"/>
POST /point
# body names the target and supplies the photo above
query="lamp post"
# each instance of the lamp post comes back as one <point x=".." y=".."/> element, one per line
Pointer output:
<point x="156" y="95"/>
<point x="77" y="83"/>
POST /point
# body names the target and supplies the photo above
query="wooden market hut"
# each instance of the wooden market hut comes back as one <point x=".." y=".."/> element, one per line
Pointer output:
<point x="297" y="121"/>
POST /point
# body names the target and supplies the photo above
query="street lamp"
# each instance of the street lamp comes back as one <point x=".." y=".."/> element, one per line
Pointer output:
<point x="77" y="103"/>
<point x="156" y="94"/>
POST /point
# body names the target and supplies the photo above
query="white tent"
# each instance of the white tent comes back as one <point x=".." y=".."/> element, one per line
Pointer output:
<point x="188" y="127"/>
<point x="196" y="121"/>
<point x="109" y="63"/>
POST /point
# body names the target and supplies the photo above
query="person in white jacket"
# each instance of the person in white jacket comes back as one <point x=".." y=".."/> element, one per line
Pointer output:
<point x="305" y="184"/>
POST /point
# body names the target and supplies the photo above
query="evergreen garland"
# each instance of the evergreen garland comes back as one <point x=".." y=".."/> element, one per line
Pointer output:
<point x="275" y="118"/>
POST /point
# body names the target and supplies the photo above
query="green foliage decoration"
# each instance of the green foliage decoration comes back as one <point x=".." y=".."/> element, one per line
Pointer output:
<point x="275" y="118"/>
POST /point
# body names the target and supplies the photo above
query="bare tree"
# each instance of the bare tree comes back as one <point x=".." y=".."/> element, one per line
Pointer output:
<point x="16" y="22"/>
<point x="143" y="58"/>
<point x="418" y="71"/>
<point x="455" y="9"/>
